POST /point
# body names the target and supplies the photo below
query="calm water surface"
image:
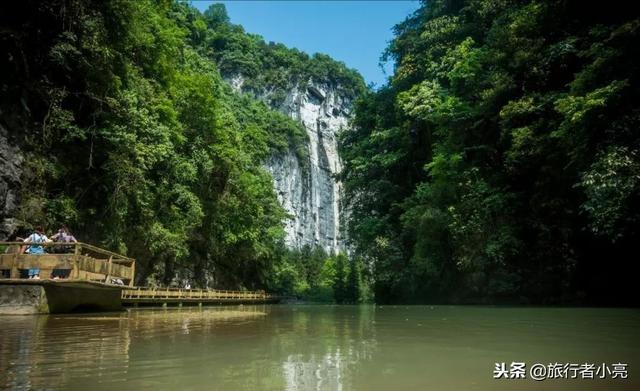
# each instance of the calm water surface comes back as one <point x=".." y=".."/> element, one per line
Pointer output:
<point x="294" y="347"/>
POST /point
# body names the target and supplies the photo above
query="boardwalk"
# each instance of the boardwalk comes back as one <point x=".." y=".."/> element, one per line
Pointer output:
<point x="160" y="296"/>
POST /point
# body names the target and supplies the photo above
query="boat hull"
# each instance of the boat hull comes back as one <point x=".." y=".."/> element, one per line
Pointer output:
<point x="23" y="297"/>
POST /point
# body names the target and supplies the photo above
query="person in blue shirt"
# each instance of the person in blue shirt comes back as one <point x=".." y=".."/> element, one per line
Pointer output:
<point x="35" y="240"/>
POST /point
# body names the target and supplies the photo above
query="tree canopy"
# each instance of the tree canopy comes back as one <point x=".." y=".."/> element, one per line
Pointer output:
<point x="501" y="161"/>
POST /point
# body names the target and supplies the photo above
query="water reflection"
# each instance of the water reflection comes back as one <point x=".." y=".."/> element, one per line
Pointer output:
<point x="333" y="347"/>
<point x="250" y="347"/>
<point x="309" y="348"/>
<point x="39" y="352"/>
<point x="55" y="352"/>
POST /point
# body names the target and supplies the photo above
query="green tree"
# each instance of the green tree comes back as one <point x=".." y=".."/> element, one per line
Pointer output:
<point x="499" y="161"/>
<point x="216" y="15"/>
<point x="339" y="282"/>
<point x="352" y="286"/>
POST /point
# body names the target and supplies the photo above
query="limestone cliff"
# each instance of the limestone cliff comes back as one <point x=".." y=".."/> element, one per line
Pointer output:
<point x="308" y="190"/>
<point x="313" y="200"/>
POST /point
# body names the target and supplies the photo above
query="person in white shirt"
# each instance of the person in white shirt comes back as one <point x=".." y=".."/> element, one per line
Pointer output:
<point x="35" y="240"/>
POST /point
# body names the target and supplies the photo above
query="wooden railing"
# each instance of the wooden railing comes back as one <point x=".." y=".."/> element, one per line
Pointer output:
<point x="85" y="262"/>
<point x="80" y="261"/>
<point x="160" y="294"/>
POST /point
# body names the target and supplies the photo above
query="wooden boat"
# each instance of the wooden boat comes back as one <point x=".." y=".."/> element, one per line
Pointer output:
<point x="91" y="278"/>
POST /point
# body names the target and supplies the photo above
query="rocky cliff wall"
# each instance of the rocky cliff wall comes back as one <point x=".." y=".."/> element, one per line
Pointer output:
<point x="308" y="190"/>
<point x="11" y="160"/>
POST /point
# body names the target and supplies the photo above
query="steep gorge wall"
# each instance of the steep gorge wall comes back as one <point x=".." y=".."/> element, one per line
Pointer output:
<point x="309" y="190"/>
<point x="313" y="200"/>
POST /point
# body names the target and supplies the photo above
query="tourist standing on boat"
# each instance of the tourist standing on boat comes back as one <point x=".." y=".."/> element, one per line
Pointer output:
<point x="35" y="241"/>
<point x="64" y="236"/>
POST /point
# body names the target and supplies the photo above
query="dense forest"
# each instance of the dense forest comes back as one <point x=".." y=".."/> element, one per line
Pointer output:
<point x="501" y="162"/>
<point x="131" y="136"/>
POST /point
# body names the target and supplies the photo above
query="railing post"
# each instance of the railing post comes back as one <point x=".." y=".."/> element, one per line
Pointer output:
<point x="14" y="267"/>
<point x="106" y="279"/>
<point x="75" y="272"/>
<point x="133" y="273"/>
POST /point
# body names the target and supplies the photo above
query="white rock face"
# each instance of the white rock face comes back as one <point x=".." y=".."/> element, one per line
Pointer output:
<point x="236" y="82"/>
<point x="312" y="196"/>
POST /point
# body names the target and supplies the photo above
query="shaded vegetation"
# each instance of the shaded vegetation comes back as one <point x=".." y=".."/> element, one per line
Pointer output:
<point x="311" y="274"/>
<point x="501" y="161"/>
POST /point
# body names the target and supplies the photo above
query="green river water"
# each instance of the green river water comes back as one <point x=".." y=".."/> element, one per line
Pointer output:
<point x="316" y="347"/>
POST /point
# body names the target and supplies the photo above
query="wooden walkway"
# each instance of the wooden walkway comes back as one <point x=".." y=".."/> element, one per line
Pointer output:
<point x="163" y="296"/>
